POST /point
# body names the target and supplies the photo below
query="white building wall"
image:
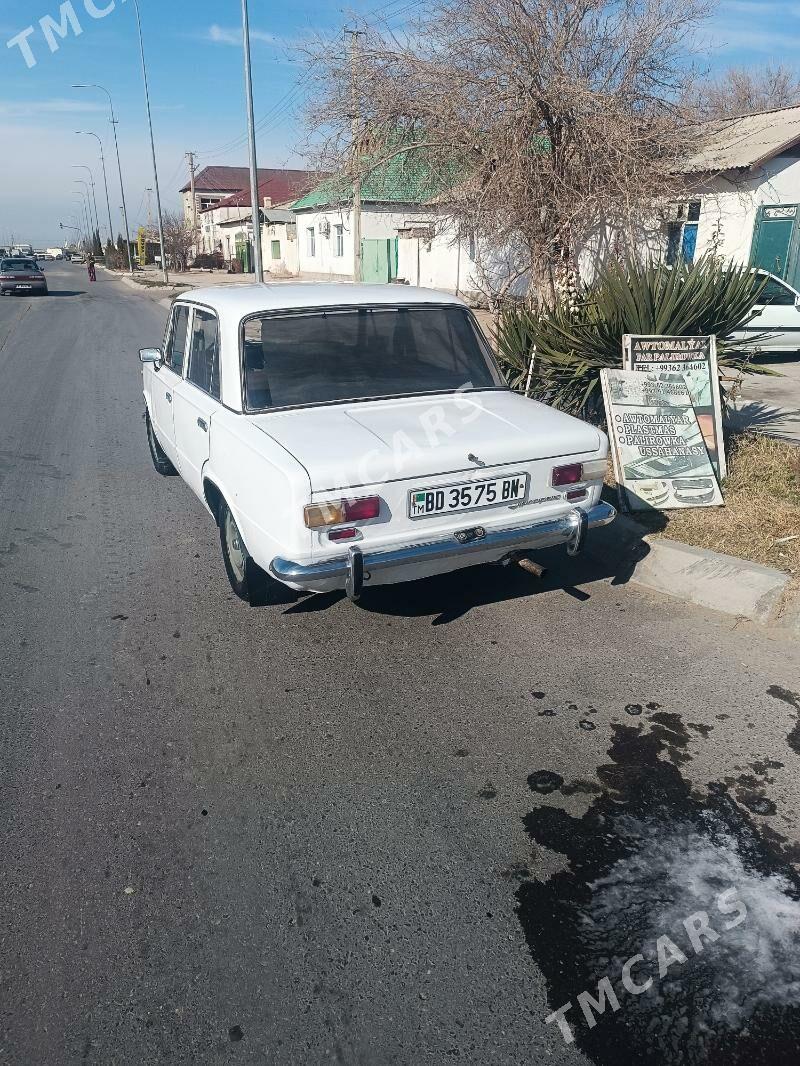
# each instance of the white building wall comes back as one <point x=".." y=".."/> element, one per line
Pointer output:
<point x="438" y="262"/>
<point x="730" y="206"/>
<point x="377" y="223"/>
<point x="288" y="263"/>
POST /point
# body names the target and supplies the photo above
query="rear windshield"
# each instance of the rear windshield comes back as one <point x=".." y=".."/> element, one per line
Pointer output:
<point x="359" y="353"/>
<point x="18" y="265"/>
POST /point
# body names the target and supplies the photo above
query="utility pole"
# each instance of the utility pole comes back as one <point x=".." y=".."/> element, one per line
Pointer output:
<point x="358" y="271"/>
<point x="195" y="241"/>
<point x="152" y="145"/>
<point x="251" y="136"/>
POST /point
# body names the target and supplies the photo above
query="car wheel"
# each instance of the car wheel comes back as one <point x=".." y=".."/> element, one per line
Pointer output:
<point x="248" y="580"/>
<point x="160" y="458"/>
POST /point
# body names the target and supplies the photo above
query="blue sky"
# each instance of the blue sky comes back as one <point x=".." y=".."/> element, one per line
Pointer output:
<point x="194" y="61"/>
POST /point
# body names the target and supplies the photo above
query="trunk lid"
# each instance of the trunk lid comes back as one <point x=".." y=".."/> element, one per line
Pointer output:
<point x="352" y="445"/>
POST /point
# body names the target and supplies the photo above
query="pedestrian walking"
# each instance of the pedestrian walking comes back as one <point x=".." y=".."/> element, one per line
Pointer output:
<point x="91" y="268"/>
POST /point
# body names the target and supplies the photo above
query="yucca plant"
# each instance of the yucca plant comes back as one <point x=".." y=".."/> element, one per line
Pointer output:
<point x="583" y="332"/>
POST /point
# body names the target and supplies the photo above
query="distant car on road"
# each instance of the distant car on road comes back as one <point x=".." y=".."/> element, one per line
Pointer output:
<point x="78" y="257"/>
<point x="360" y="435"/>
<point x="22" y="276"/>
<point x="776" y="325"/>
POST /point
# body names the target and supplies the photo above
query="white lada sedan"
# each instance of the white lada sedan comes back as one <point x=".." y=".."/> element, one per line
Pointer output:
<point x="344" y="437"/>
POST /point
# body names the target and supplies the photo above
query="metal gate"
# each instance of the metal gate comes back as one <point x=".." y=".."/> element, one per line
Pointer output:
<point x="379" y="260"/>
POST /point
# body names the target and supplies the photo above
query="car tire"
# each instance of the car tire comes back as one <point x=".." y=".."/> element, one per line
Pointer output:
<point x="160" y="458"/>
<point x="248" y="580"/>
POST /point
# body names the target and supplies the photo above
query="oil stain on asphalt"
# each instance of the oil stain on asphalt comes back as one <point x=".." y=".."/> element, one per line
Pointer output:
<point x="649" y="864"/>
<point x="793" y="699"/>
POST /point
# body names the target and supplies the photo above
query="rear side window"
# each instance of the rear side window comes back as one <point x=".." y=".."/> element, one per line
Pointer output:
<point x="176" y="349"/>
<point x="204" y="357"/>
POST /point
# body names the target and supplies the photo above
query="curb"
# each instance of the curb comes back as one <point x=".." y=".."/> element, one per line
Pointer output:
<point x="699" y="576"/>
<point x="145" y="290"/>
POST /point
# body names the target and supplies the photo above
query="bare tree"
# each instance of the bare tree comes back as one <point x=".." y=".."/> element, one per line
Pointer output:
<point x="541" y="125"/>
<point x="179" y="239"/>
<point x="742" y="91"/>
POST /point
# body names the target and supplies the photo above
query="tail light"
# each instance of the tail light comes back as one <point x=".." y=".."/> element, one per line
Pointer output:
<point x="571" y="474"/>
<point x="578" y="473"/>
<point x="336" y="512"/>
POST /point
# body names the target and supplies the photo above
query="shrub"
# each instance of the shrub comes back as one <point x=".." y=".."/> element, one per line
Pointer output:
<point x="582" y="333"/>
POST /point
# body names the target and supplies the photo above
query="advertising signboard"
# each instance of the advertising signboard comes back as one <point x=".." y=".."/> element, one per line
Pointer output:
<point x="660" y="456"/>
<point x="696" y="359"/>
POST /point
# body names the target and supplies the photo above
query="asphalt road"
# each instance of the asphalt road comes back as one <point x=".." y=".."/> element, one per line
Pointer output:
<point x="307" y="834"/>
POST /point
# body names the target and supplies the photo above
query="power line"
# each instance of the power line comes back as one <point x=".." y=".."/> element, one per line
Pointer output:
<point x="284" y="103"/>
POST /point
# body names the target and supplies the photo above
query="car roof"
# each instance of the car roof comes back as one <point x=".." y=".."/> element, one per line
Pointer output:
<point x="243" y="300"/>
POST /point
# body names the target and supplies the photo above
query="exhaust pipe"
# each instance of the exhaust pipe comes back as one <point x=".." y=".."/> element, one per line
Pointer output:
<point x="530" y="567"/>
<point x="522" y="560"/>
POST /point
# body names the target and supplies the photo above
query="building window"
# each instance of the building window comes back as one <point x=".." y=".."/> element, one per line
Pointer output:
<point x="276" y="249"/>
<point x="682" y="234"/>
<point x="472" y="249"/>
<point x="338" y="241"/>
<point x="311" y="242"/>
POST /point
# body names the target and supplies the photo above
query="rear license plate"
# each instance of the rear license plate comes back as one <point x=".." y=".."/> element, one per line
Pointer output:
<point x="24" y="286"/>
<point x="468" y="496"/>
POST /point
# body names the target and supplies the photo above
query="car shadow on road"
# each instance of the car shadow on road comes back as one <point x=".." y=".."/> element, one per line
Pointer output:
<point x="448" y="597"/>
<point x="67" y="292"/>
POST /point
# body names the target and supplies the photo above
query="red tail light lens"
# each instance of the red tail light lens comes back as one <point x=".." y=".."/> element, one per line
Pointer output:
<point x="567" y="475"/>
<point x="361" y="510"/>
<point x="343" y="534"/>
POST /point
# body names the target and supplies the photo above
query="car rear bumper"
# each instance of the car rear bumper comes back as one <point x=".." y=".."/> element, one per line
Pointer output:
<point x="358" y="567"/>
<point x="23" y="286"/>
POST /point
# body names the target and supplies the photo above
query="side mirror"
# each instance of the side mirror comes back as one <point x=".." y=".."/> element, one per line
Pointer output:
<point x="151" y="355"/>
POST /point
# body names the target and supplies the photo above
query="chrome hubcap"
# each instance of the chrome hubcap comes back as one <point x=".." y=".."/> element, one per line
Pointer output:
<point x="235" y="547"/>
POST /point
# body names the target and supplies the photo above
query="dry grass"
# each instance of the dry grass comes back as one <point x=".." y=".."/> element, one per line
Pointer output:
<point x="761" y="516"/>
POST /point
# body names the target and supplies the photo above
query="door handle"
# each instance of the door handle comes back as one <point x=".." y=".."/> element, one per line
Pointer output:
<point x="203" y="424"/>
<point x="169" y="397"/>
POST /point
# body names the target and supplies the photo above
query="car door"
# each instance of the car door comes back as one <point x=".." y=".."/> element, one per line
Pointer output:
<point x="197" y="398"/>
<point x="165" y="379"/>
<point x="778" y="316"/>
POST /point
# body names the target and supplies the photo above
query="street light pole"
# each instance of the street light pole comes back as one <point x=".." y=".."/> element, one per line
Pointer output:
<point x="87" y="133"/>
<point x="251" y="134"/>
<point x="82" y="166"/>
<point x="87" y="212"/>
<point x="152" y="145"/>
<point x="82" y="216"/>
<point x="119" y="167"/>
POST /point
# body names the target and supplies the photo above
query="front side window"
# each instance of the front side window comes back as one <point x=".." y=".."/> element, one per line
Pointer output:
<point x="176" y="347"/>
<point x="311" y="242"/>
<point x="775" y="293"/>
<point x="204" y="355"/>
<point x="338" y="241"/>
<point x="358" y="353"/>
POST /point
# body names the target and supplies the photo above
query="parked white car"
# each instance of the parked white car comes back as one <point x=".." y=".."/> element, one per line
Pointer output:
<point x="776" y="324"/>
<point x="360" y="435"/>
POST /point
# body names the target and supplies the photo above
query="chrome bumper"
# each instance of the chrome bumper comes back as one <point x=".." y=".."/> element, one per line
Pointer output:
<point x="353" y="569"/>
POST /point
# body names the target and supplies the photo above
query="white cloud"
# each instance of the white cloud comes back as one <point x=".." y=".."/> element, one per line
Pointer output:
<point x="227" y="35"/>
<point x="31" y="108"/>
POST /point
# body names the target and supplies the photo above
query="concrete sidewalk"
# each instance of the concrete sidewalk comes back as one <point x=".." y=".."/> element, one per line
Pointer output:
<point x="771" y="404"/>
